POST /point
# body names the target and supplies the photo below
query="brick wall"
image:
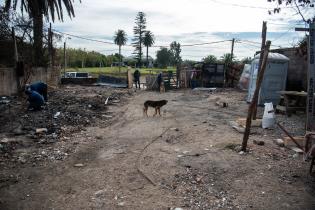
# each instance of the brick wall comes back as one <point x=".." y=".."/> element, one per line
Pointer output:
<point x="8" y="82"/>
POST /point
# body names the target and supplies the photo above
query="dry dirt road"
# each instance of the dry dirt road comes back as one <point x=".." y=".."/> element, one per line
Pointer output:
<point x="187" y="159"/>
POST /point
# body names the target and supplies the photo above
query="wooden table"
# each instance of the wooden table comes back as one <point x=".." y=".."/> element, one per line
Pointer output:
<point x="292" y="101"/>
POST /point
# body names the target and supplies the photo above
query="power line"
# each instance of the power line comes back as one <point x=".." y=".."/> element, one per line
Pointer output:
<point x="259" y="43"/>
<point x="106" y="42"/>
<point x="248" y="6"/>
<point x="196" y="44"/>
<point x="84" y="38"/>
<point x="281" y="35"/>
<point x="248" y="44"/>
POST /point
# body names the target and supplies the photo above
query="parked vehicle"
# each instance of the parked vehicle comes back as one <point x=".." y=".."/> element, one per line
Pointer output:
<point x="77" y="75"/>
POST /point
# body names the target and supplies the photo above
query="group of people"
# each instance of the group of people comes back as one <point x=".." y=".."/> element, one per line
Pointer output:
<point x="136" y="76"/>
<point x="37" y="95"/>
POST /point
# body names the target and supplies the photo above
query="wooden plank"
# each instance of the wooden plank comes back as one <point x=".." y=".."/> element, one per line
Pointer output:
<point x="293" y="93"/>
<point x="281" y="108"/>
<point x="289" y="143"/>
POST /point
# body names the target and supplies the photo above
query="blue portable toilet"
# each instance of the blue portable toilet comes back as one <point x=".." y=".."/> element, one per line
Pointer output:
<point x="274" y="80"/>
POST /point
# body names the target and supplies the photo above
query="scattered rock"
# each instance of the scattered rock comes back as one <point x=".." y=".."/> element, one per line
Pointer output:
<point x="241" y="153"/>
<point x="279" y="142"/>
<point x="4" y="140"/>
<point x="296" y="155"/>
<point x="99" y="193"/>
<point x="259" y="142"/>
<point x="222" y="104"/>
<point x="22" y="160"/>
<point x="174" y="129"/>
<point x="41" y="130"/>
<point x="297" y="150"/>
<point x="18" y="131"/>
<point x="56" y="115"/>
<point x="121" y="204"/>
<point x="235" y="125"/>
<point x="78" y="165"/>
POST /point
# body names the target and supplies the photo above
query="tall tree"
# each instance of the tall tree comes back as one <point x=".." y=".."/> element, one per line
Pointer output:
<point x="120" y="39"/>
<point x="175" y="51"/>
<point x="37" y="9"/>
<point x="303" y="7"/>
<point x="210" y="59"/>
<point x="139" y="31"/>
<point x="148" y="41"/>
<point x="163" y="57"/>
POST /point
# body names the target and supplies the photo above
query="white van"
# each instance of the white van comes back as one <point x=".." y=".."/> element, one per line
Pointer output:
<point x="77" y="75"/>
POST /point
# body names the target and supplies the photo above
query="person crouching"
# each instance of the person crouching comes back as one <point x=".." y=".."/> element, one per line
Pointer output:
<point x="36" y="101"/>
<point x="39" y="87"/>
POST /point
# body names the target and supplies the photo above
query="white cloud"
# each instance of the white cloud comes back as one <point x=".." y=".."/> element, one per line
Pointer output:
<point x="185" y="21"/>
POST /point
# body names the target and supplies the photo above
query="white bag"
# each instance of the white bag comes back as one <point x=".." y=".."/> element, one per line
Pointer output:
<point x="268" y="120"/>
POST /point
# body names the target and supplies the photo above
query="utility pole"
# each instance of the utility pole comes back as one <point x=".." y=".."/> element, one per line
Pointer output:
<point x="310" y="124"/>
<point x="310" y="108"/>
<point x="232" y="49"/>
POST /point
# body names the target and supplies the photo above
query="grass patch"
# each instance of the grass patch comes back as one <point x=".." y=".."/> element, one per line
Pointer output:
<point x="95" y="71"/>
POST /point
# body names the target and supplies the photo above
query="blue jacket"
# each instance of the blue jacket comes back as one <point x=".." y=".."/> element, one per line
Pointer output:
<point x="36" y="100"/>
<point x="39" y="87"/>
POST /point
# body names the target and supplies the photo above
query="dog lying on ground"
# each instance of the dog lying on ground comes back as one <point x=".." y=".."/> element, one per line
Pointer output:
<point x="155" y="104"/>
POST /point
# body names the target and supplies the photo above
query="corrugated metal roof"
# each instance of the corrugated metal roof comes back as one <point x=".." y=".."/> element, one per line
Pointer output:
<point x="274" y="56"/>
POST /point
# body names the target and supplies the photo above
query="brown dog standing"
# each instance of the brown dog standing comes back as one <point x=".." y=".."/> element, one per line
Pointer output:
<point x="155" y="104"/>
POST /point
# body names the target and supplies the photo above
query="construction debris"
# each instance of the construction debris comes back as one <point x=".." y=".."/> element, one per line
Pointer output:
<point x="259" y="142"/>
<point x="289" y="143"/>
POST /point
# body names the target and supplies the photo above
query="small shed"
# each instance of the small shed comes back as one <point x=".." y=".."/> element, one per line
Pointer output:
<point x="275" y="78"/>
<point x="213" y="75"/>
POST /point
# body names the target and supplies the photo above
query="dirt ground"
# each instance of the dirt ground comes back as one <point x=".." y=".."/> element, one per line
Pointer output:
<point x="97" y="156"/>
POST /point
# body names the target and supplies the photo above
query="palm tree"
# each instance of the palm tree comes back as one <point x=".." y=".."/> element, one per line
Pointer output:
<point x="37" y="9"/>
<point x="120" y="39"/>
<point x="148" y="41"/>
<point x="227" y="59"/>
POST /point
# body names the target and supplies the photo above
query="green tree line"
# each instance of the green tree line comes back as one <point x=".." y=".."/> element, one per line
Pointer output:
<point x="77" y="58"/>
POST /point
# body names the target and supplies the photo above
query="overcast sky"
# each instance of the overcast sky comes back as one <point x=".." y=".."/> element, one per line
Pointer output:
<point x="184" y="21"/>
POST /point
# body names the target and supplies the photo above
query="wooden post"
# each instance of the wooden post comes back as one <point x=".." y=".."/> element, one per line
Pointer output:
<point x="65" y="59"/>
<point x="263" y="44"/>
<point x="310" y="112"/>
<point x="255" y="97"/>
<point x="16" y="59"/>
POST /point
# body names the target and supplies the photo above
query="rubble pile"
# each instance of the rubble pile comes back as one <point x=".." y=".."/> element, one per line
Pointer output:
<point x="199" y="190"/>
<point x="68" y="111"/>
